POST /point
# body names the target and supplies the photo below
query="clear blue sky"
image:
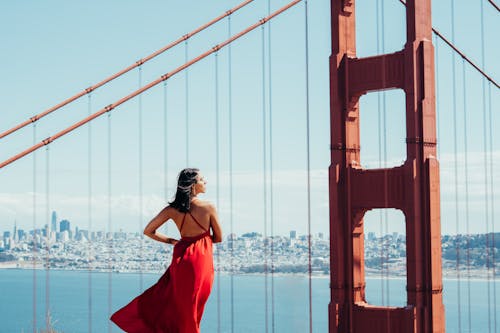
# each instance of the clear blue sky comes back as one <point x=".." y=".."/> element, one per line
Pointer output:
<point x="53" y="49"/>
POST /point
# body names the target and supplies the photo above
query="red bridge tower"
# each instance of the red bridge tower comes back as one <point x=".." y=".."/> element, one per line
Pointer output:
<point x="412" y="187"/>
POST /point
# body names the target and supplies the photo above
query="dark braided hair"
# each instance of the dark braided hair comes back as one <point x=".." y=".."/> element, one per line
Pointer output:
<point x="185" y="181"/>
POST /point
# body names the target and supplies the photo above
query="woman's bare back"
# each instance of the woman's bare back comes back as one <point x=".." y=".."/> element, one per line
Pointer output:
<point x="200" y="212"/>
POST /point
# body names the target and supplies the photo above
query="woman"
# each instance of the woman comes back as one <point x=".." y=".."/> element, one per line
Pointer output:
<point x="176" y="302"/>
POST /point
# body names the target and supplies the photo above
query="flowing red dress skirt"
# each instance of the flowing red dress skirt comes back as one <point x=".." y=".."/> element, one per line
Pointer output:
<point x="176" y="302"/>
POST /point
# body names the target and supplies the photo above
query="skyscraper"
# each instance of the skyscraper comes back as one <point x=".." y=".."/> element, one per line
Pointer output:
<point x="64" y="225"/>
<point x="54" y="221"/>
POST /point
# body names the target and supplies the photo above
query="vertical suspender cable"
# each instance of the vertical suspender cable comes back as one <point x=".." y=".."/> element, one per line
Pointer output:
<point x="492" y="209"/>
<point x="109" y="239"/>
<point x="306" y="23"/>
<point x="165" y="146"/>
<point x="485" y="147"/>
<point x="455" y="150"/>
<point x="384" y="114"/>
<point x="271" y="203"/>
<point x="34" y="235"/>
<point x="47" y="238"/>
<point x="230" y="106"/>
<point x="436" y="48"/>
<point x="89" y="214"/>
<point x="466" y="164"/>
<point x="379" y="123"/>
<point x="217" y="248"/>
<point x="264" y="167"/>
<point x="141" y="241"/>
<point x="186" y="59"/>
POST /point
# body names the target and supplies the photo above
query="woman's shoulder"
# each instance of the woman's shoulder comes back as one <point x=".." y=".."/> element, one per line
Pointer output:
<point x="205" y="205"/>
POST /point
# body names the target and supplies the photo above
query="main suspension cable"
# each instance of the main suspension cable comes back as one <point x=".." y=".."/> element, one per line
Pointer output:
<point x="164" y="77"/>
<point x="126" y="70"/>
<point x="451" y="44"/>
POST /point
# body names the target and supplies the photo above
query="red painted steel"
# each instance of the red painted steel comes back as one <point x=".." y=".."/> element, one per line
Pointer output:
<point x="412" y="187"/>
<point x="147" y="86"/>
<point x="489" y="78"/>
<point x="123" y="71"/>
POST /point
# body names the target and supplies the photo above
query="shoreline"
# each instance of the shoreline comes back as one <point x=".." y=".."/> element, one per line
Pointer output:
<point x="476" y="275"/>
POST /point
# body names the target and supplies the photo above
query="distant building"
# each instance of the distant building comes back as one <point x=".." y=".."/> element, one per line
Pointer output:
<point x="20" y="234"/>
<point x="64" y="226"/>
<point x="54" y="221"/>
<point x="320" y="235"/>
<point x="293" y="234"/>
<point x="14" y="235"/>
<point x="6" y="240"/>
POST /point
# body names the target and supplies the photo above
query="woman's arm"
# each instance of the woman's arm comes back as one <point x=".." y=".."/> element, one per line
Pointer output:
<point x="214" y="223"/>
<point x="155" y="223"/>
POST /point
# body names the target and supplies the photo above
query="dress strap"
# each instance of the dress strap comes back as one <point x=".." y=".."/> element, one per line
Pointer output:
<point x="198" y="223"/>
<point x="182" y="223"/>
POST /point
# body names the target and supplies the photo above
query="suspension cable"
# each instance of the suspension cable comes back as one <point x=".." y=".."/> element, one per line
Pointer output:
<point x="379" y="124"/>
<point x="451" y="44"/>
<point x="162" y="78"/>
<point x="494" y="5"/>
<point x="264" y="171"/>
<point x="438" y="134"/>
<point x="455" y="149"/>
<point x="230" y="125"/>
<point x="384" y="131"/>
<point x="129" y="68"/>
<point x="34" y="237"/>
<point x="141" y="238"/>
<point x="186" y="77"/>
<point x="466" y="167"/>
<point x="487" y="210"/>
<point x="308" y="150"/>
<point x="47" y="239"/>
<point x="165" y="146"/>
<point x="271" y="203"/>
<point x="492" y="209"/>
<point x="89" y="213"/>
<point x="217" y="168"/>
<point x="109" y="237"/>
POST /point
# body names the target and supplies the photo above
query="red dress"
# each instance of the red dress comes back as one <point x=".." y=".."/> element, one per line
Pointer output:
<point x="175" y="303"/>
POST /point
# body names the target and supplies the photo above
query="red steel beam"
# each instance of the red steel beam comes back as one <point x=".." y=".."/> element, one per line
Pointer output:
<point x="148" y="86"/>
<point x="120" y="73"/>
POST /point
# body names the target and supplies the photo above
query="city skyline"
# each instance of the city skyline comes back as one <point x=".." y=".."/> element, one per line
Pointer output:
<point x="76" y="181"/>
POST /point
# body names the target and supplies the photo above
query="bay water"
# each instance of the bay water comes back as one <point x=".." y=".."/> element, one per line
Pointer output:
<point x="80" y="301"/>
